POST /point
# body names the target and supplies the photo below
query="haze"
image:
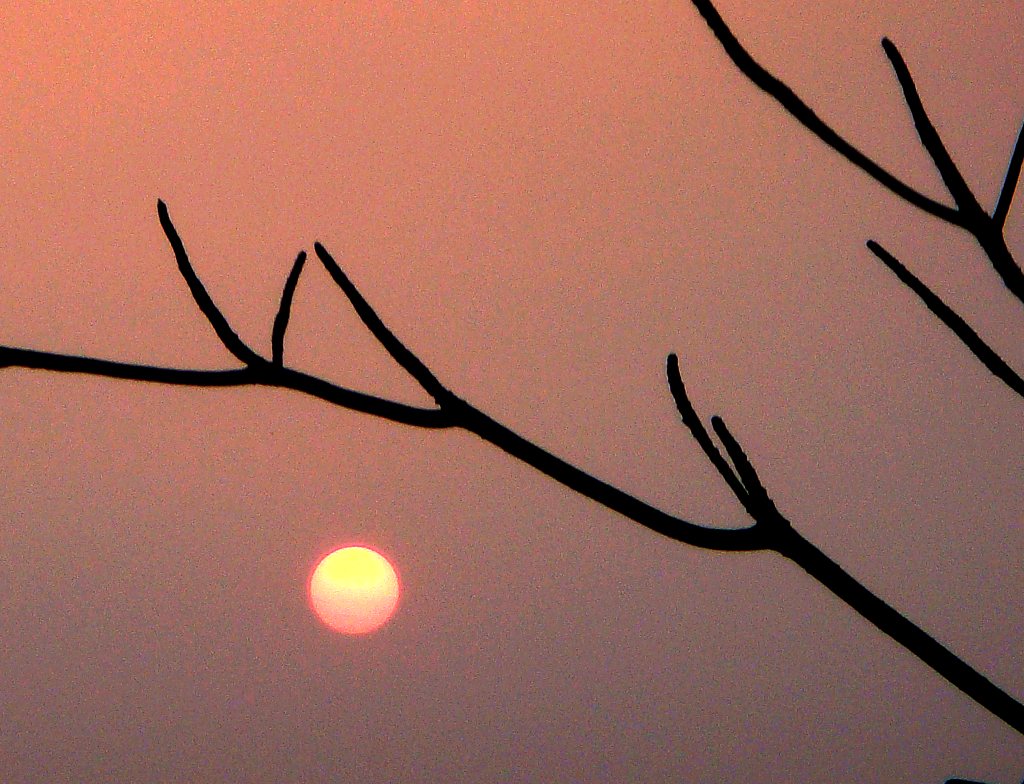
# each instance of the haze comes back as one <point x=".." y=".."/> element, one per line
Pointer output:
<point x="543" y="201"/>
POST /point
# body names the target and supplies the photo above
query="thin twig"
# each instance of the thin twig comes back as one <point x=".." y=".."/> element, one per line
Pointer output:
<point x="956" y="324"/>
<point x="779" y="535"/>
<point x="1010" y="181"/>
<point x="806" y="116"/>
<point x="759" y="498"/>
<point x="285" y="309"/>
<point x="930" y="139"/>
<point x="227" y="336"/>
<point x="700" y="434"/>
<point x="402" y="355"/>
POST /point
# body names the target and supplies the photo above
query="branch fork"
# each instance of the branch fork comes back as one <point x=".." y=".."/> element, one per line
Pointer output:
<point x="966" y="212"/>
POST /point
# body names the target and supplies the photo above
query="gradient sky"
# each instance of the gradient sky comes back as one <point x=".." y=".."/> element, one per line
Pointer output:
<point x="543" y="200"/>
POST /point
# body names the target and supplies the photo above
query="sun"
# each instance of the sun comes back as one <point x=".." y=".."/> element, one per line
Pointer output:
<point x="354" y="590"/>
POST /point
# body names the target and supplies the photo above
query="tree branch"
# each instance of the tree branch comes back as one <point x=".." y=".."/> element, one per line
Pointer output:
<point x="405" y="358"/>
<point x="989" y="358"/>
<point x="227" y="336"/>
<point x="263" y="375"/>
<point x="779" y="535"/>
<point x="930" y="139"/>
<point x="285" y="309"/>
<point x="700" y="434"/>
<point x="1009" y="181"/>
<point x="806" y="116"/>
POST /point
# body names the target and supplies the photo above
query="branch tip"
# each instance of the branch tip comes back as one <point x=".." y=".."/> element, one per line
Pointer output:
<point x="953" y="321"/>
<point x="284" y="310"/>
<point x="930" y="139"/>
<point x="398" y="351"/>
<point x="220" y="325"/>
<point x="1010" y="180"/>
<point x="802" y="113"/>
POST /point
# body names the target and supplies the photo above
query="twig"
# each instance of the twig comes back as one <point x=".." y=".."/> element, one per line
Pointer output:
<point x="764" y="508"/>
<point x="779" y="535"/>
<point x="930" y="139"/>
<point x="227" y="336"/>
<point x="285" y="309"/>
<point x="1010" y="181"/>
<point x="806" y="116"/>
<point x="700" y="434"/>
<point x="405" y="358"/>
<point x="956" y="324"/>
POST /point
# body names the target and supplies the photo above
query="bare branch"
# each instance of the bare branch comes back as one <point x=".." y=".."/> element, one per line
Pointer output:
<point x="1010" y="181"/>
<point x="11" y="357"/>
<point x="806" y="116"/>
<point x="761" y="502"/>
<point x="227" y="336"/>
<point x="285" y="310"/>
<point x="900" y="628"/>
<point x="402" y="355"/>
<point x="263" y="375"/>
<point x="652" y="518"/>
<point x="699" y="433"/>
<point x="988" y="357"/>
<point x="930" y="139"/>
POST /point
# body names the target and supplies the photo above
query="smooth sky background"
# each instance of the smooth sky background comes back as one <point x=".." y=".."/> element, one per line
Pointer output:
<point x="543" y="200"/>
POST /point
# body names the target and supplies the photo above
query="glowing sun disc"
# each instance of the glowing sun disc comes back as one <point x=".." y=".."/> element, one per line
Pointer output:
<point x="354" y="590"/>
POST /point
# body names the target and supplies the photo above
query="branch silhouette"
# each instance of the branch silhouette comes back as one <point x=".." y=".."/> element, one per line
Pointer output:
<point x="284" y="310"/>
<point x="769" y="530"/>
<point x="968" y="214"/>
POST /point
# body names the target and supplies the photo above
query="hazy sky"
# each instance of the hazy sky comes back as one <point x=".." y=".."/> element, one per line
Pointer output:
<point x="543" y="200"/>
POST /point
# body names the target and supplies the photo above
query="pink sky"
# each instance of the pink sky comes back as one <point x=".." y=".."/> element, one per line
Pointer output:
<point x="542" y="201"/>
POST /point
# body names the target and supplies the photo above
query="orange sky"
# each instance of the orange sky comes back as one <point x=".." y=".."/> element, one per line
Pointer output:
<point x="542" y="200"/>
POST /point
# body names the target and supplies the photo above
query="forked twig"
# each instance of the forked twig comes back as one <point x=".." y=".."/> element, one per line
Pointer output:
<point x="807" y="117"/>
<point x="779" y="535"/>
<point x="968" y="213"/>
<point x="769" y="531"/>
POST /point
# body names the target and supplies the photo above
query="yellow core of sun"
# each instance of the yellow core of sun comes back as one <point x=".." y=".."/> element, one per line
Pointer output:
<point x="354" y="590"/>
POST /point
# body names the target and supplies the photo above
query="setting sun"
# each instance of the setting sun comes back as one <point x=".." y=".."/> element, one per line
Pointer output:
<point x="354" y="590"/>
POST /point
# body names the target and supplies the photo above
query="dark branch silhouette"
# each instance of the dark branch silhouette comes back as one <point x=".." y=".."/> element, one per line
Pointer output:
<point x="968" y="214"/>
<point x="785" y="540"/>
<point x="793" y="104"/>
<point x="989" y="358"/>
<point x="227" y="336"/>
<point x="930" y="139"/>
<point x="284" y="311"/>
<point x="1010" y="181"/>
<point x="770" y="530"/>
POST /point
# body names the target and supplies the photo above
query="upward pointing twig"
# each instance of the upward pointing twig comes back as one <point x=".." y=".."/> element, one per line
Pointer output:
<point x="403" y="356"/>
<point x="227" y="336"/>
<point x="1010" y="181"/>
<point x="285" y="310"/>
<point x="930" y="139"/>
<point x="803" y="113"/>
<point x="700" y="433"/>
